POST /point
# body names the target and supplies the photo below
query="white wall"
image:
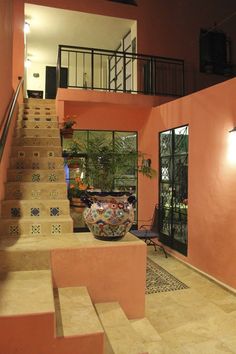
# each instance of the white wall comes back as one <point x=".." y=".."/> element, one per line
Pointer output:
<point x="38" y="83"/>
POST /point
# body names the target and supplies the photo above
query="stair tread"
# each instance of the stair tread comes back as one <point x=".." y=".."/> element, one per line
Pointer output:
<point x="26" y="292"/>
<point x="121" y="335"/>
<point x="38" y="219"/>
<point x="145" y="330"/>
<point x="78" y="315"/>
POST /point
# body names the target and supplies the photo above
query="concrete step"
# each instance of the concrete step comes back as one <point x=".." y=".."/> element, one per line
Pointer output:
<point x="36" y="125"/>
<point x="77" y="314"/>
<point x="36" y="226"/>
<point x="26" y="292"/>
<point x="35" y="191"/>
<point x="148" y="335"/>
<point x="24" y="208"/>
<point x="32" y="118"/>
<point x="37" y="108"/>
<point x="34" y="163"/>
<point x="26" y="312"/>
<point x="121" y="338"/>
<point x="39" y="141"/>
<point x="38" y="101"/>
<point x="28" y="175"/>
<point x="29" y="152"/>
<point x="37" y="133"/>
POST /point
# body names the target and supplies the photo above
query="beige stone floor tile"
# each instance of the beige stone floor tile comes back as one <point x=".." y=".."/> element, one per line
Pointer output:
<point x="207" y="347"/>
<point x="230" y="342"/>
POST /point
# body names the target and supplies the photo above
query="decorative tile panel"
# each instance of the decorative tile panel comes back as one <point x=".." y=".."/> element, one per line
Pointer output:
<point x="53" y="177"/>
<point x="54" y="194"/>
<point x="35" y="229"/>
<point x="19" y="164"/>
<point x="55" y="211"/>
<point x="21" y="154"/>
<point x="51" y="165"/>
<point x="19" y="176"/>
<point x="15" y="212"/>
<point x="35" y="194"/>
<point x="35" y="177"/>
<point x="56" y="229"/>
<point x="14" y="230"/>
<point x="35" y="165"/>
<point x="17" y="194"/>
<point x="35" y="212"/>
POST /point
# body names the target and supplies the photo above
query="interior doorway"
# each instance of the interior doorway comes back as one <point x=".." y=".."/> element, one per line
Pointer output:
<point x="51" y="81"/>
<point x="173" y="188"/>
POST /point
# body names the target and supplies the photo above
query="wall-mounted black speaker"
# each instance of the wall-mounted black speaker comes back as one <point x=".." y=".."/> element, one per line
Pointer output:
<point x="213" y="52"/>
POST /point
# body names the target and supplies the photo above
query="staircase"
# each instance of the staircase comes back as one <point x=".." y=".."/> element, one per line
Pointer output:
<point x="36" y="201"/>
<point x="34" y="315"/>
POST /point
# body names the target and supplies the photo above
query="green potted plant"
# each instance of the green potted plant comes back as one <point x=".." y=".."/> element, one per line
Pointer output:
<point x="67" y="126"/>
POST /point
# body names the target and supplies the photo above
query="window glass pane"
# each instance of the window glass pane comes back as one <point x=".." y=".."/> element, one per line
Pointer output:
<point x="165" y="143"/>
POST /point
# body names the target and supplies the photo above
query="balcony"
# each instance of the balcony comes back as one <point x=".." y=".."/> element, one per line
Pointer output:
<point x="116" y="71"/>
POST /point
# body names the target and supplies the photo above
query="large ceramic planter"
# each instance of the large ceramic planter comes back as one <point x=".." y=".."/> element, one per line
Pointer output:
<point x="109" y="216"/>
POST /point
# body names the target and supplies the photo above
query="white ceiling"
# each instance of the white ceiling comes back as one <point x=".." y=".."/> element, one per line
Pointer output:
<point x="50" y="27"/>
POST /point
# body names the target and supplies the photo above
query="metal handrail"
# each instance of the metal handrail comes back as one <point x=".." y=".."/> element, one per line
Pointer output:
<point x="8" y="116"/>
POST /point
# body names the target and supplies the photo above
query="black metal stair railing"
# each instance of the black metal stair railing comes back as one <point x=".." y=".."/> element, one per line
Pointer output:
<point x="107" y="70"/>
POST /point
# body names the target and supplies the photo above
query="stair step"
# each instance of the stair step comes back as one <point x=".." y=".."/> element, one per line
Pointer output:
<point x="27" y="175"/>
<point x="26" y="292"/>
<point x="76" y="313"/>
<point x="32" y="118"/>
<point x="37" y="133"/>
<point x="36" y="226"/>
<point x="23" y="208"/>
<point x="35" y="191"/>
<point x="37" y="163"/>
<point x="39" y="141"/>
<point x="145" y="330"/>
<point x="36" y="125"/>
<point x="37" y="101"/>
<point x="29" y="152"/>
<point x="121" y="336"/>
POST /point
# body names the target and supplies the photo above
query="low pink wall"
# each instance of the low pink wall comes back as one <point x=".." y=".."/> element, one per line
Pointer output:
<point x="116" y="272"/>
<point x="210" y="113"/>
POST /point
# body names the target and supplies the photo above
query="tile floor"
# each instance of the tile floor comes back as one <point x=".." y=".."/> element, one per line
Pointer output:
<point x="198" y="320"/>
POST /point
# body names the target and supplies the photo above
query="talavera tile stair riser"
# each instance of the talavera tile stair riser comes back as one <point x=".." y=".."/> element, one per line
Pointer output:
<point x="36" y="176"/>
<point x="24" y="132"/>
<point x="37" y="125"/>
<point x="33" y="118"/>
<point x="36" y="163"/>
<point x="33" y="152"/>
<point x="37" y="227"/>
<point x="37" y="191"/>
<point x="37" y="141"/>
<point x="24" y="208"/>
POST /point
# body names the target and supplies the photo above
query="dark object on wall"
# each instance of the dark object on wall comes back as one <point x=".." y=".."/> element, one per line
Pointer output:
<point x="36" y="75"/>
<point x="51" y="81"/>
<point x="214" y="52"/>
<point x="127" y="2"/>
<point x="34" y="94"/>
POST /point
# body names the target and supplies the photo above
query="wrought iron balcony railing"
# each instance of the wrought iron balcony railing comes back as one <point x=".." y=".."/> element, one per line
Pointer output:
<point x="107" y="70"/>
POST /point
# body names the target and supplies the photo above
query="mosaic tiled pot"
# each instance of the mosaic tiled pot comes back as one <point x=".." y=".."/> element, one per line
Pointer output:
<point x="109" y="216"/>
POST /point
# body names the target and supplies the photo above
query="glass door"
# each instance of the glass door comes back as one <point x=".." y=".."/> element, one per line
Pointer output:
<point x="173" y="188"/>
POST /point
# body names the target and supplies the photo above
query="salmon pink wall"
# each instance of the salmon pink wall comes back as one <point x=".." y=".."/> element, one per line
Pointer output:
<point x="166" y="28"/>
<point x="6" y="55"/>
<point x="210" y="113"/>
